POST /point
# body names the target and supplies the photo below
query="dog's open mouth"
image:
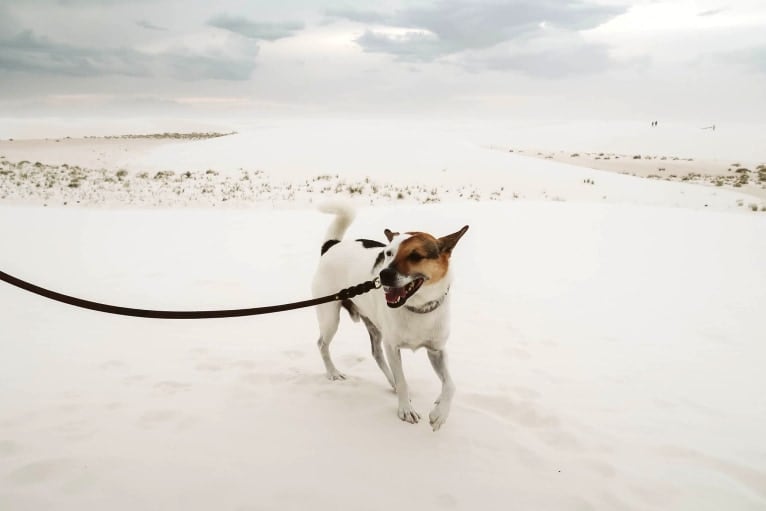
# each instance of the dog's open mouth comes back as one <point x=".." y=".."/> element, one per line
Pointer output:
<point x="396" y="296"/>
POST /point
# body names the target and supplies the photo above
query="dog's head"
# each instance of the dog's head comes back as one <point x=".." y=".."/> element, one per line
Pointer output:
<point x="412" y="260"/>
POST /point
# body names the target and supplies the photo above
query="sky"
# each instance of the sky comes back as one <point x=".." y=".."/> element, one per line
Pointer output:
<point x="570" y="59"/>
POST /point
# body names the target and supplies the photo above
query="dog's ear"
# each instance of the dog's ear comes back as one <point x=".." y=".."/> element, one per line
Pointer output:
<point x="390" y="235"/>
<point x="448" y="242"/>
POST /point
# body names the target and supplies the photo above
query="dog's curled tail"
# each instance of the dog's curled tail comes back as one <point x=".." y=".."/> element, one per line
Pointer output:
<point x="344" y="215"/>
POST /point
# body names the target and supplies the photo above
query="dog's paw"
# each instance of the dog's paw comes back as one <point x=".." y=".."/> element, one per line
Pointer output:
<point x="335" y="375"/>
<point x="438" y="416"/>
<point x="407" y="414"/>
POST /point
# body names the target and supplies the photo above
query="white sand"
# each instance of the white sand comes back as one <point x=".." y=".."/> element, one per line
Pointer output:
<point x="292" y="162"/>
<point x="669" y="168"/>
<point x="608" y="353"/>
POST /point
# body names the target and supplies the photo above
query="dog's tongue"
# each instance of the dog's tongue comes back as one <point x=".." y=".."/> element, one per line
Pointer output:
<point x="393" y="294"/>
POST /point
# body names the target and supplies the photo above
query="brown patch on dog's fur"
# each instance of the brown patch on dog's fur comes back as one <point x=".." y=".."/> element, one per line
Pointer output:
<point x="432" y="254"/>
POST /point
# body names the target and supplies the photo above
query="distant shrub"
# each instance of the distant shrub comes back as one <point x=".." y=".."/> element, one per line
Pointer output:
<point x="636" y="156"/>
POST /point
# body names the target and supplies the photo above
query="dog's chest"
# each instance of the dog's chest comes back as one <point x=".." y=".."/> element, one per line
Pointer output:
<point x="413" y="331"/>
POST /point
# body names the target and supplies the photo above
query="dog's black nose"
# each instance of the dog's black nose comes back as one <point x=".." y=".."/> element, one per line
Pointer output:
<point x="388" y="276"/>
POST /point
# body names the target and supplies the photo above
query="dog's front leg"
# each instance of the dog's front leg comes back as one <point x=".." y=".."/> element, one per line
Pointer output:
<point x="440" y="412"/>
<point x="405" y="412"/>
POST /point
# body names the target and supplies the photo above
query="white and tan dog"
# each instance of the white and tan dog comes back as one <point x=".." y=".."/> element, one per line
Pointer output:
<point x="411" y="311"/>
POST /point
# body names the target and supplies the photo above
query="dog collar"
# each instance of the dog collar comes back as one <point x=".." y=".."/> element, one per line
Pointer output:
<point x="428" y="306"/>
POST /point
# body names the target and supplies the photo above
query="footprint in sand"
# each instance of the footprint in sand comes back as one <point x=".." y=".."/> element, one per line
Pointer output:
<point x="244" y="364"/>
<point x="522" y="412"/>
<point x="526" y="414"/>
<point x="209" y="367"/>
<point x="445" y="501"/>
<point x="135" y="378"/>
<point x="171" y="387"/>
<point x="351" y="360"/>
<point x="293" y="354"/>
<point x="158" y="417"/>
<point x="112" y="365"/>
<point x="41" y="471"/>
<point x="8" y="448"/>
<point x="518" y="353"/>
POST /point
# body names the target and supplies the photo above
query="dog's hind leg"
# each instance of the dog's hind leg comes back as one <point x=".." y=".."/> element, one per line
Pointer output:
<point x="377" y="350"/>
<point x="328" y="315"/>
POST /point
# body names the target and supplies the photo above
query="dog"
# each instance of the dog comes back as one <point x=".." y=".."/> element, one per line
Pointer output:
<point x="410" y="311"/>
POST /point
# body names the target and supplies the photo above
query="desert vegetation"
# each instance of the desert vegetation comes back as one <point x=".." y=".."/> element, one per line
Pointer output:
<point x="70" y="185"/>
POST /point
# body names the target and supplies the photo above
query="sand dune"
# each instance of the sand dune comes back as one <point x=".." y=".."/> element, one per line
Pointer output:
<point x="606" y="339"/>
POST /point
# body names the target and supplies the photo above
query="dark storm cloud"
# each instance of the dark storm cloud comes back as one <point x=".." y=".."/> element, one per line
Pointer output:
<point x="255" y="30"/>
<point x="26" y="52"/>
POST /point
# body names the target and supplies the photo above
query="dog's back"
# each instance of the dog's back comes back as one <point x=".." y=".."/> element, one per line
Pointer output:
<point x="343" y="263"/>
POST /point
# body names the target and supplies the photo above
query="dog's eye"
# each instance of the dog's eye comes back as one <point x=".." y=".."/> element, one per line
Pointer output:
<point x="415" y="257"/>
<point x="389" y="253"/>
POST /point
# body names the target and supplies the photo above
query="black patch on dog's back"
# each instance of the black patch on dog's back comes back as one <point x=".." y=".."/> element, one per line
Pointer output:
<point x="328" y="245"/>
<point x="371" y="243"/>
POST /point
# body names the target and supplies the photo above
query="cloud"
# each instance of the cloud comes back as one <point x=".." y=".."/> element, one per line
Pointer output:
<point x="149" y="25"/>
<point x="711" y="12"/>
<point x="358" y="16"/>
<point x="552" y="63"/>
<point x="410" y="45"/>
<point x="254" y="30"/>
<point x="458" y="25"/>
<point x="753" y="58"/>
<point x="759" y="58"/>
<point x="26" y="52"/>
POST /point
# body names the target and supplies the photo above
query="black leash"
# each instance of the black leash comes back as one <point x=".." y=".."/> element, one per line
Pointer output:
<point x="343" y="294"/>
